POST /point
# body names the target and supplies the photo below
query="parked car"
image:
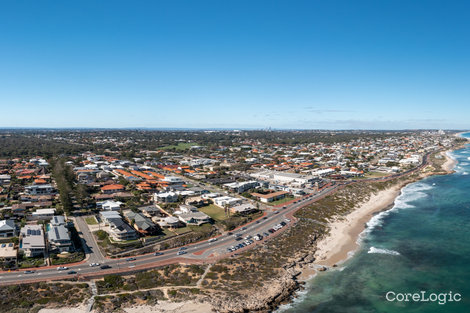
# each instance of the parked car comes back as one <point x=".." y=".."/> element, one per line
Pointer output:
<point x="265" y="234"/>
<point x="62" y="268"/>
<point x="103" y="267"/>
<point x="287" y="220"/>
<point x="158" y="253"/>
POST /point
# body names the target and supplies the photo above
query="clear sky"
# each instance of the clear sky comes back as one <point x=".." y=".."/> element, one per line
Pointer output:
<point x="242" y="64"/>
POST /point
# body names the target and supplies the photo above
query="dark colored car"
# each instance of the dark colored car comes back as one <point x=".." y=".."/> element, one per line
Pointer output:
<point x="265" y="218"/>
<point x="72" y="273"/>
<point x="158" y="253"/>
<point x="271" y="230"/>
<point x="103" y="267"/>
<point x="238" y="238"/>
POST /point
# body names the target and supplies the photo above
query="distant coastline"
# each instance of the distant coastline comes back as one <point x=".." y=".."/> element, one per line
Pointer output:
<point x="343" y="238"/>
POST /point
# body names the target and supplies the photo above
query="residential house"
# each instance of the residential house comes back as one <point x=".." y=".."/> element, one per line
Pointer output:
<point x="151" y="211"/>
<point x="167" y="222"/>
<point x="229" y="201"/>
<point x="108" y="189"/>
<point x="142" y="224"/>
<point x="120" y="231"/>
<point x="194" y="218"/>
<point x="7" y="229"/>
<point x="243" y="209"/>
<point x="32" y="241"/>
<point x="108" y="216"/>
<point x="39" y="190"/>
<point x="185" y="208"/>
<point x="109" y="205"/>
<point x="165" y="197"/>
<point x="270" y="196"/>
<point x="59" y="238"/>
<point x="58" y="221"/>
<point x="8" y="253"/>
<point x="43" y="214"/>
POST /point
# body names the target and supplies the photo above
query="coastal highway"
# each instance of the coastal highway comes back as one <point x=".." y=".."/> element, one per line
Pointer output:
<point x="196" y="253"/>
<point x="200" y="252"/>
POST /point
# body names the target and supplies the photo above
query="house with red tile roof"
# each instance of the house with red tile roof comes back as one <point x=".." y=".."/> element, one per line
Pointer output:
<point x="108" y="189"/>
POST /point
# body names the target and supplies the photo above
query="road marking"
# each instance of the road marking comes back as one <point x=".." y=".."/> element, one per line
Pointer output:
<point x="19" y="275"/>
<point x="79" y="269"/>
<point x="39" y="273"/>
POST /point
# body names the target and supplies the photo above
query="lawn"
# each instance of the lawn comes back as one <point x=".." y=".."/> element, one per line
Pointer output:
<point x="217" y="213"/>
<point x="91" y="220"/>
<point x="181" y="146"/>
<point x="182" y="230"/>
<point x="280" y="201"/>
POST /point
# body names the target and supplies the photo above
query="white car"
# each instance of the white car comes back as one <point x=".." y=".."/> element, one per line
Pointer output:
<point x="94" y="264"/>
<point x="287" y="220"/>
<point x="62" y="268"/>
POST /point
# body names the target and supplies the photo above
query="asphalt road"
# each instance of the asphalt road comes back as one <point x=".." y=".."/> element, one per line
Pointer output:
<point x="203" y="249"/>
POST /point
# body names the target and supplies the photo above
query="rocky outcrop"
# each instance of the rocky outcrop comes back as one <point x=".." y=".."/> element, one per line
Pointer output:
<point x="267" y="298"/>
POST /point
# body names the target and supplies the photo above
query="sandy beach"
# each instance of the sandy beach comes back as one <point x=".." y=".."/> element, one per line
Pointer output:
<point x="161" y="307"/>
<point x="449" y="163"/>
<point x="343" y="235"/>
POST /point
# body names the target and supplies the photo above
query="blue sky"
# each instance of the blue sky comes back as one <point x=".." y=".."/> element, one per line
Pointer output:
<point x="241" y="64"/>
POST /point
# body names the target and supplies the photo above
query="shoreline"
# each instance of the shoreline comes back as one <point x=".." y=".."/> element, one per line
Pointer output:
<point x="342" y="240"/>
<point x="343" y="237"/>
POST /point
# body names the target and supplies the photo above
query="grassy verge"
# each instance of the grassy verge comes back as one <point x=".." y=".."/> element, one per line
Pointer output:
<point x="91" y="220"/>
<point x="217" y="213"/>
<point x="281" y="201"/>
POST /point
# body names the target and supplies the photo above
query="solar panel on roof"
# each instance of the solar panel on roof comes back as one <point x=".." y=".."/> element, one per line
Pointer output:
<point x="10" y="245"/>
<point x="56" y="232"/>
<point x="3" y="245"/>
<point x="28" y="232"/>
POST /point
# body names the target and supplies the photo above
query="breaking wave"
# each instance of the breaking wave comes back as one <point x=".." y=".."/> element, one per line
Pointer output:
<point x="382" y="251"/>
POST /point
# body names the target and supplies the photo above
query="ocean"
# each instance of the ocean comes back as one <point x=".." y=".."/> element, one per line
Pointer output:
<point x="420" y="246"/>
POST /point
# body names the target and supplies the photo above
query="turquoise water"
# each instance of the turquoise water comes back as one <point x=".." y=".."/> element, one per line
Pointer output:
<point x="421" y="245"/>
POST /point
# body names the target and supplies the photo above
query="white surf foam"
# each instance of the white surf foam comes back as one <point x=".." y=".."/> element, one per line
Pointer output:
<point x="468" y="158"/>
<point x="464" y="163"/>
<point x="464" y="173"/>
<point x="301" y="294"/>
<point x="382" y="251"/>
<point x="408" y="194"/>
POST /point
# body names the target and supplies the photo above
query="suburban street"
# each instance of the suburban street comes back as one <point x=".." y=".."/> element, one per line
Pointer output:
<point x="200" y="252"/>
